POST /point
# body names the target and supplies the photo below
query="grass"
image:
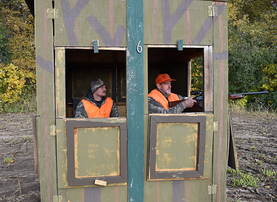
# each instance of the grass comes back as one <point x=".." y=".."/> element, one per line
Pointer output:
<point x="271" y="174"/>
<point x="8" y="159"/>
<point x="23" y="106"/>
<point x="265" y="113"/>
<point x="243" y="179"/>
<point x="28" y="139"/>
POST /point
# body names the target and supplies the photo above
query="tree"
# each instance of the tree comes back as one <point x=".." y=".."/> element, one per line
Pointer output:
<point x="252" y="47"/>
<point x="17" y="40"/>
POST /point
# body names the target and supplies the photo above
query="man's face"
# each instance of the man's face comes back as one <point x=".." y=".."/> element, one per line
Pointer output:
<point x="101" y="92"/>
<point x="165" y="87"/>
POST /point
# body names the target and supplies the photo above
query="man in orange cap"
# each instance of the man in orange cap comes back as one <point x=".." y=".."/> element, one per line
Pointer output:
<point x="159" y="99"/>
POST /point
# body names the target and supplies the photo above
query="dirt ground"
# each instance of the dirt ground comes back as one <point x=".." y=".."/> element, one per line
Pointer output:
<point x="256" y="144"/>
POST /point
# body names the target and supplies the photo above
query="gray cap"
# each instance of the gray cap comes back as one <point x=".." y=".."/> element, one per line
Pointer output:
<point x="95" y="84"/>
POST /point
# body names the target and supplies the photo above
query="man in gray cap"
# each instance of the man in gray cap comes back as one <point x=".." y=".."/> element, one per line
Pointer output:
<point x="95" y="104"/>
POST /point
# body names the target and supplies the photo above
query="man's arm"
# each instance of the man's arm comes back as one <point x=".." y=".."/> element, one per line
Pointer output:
<point x="156" y="108"/>
<point x="80" y="111"/>
<point x="114" y="111"/>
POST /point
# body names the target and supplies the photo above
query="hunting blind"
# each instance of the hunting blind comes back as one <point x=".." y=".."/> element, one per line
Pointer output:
<point x="138" y="156"/>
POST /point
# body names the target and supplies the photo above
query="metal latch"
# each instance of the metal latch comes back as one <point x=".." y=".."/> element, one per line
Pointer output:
<point x="53" y="130"/>
<point x="212" y="189"/>
<point x="57" y="198"/>
<point x="52" y="13"/>
<point x="215" y="125"/>
<point x="212" y="11"/>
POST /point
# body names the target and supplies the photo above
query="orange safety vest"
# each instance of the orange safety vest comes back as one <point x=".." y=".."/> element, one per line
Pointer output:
<point x="159" y="97"/>
<point x="95" y="112"/>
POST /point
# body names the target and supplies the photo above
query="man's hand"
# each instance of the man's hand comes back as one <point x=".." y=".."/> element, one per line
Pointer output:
<point x="188" y="103"/>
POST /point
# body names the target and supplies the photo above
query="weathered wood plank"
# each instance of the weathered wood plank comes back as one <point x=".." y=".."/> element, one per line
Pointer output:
<point x="135" y="100"/>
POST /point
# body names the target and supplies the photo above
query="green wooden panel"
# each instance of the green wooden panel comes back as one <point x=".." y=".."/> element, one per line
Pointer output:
<point x="45" y="101"/>
<point x="114" y="194"/>
<point x="135" y="99"/>
<point x="78" y="23"/>
<point x="106" y="145"/>
<point x="163" y="190"/>
<point x="60" y="82"/>
<point x="179" y="20"/>
<point x="176" y="141"/>
<point x="220" y="102"/>
<point x="61" y="153"/>
<point x="97" y="152"/>
<point x="209" y="147"/>
<point x="75" y="194"/>
<point x="108" y="194"/>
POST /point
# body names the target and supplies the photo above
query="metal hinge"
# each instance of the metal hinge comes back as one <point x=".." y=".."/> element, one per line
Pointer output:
<point x="215" y="125"/>
<point x="57" y="198"/>
<point x="212" y="188"/>
<point x="212" y="11"/>
<point x="52" y="13"/>
<point x="53" y="130"/>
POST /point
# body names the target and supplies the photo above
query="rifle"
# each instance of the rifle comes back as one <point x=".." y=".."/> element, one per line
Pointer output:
<point x="196" y="107"/>
<point x="234" y="96"/>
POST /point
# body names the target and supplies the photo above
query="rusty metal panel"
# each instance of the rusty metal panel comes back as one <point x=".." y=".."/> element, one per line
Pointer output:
<point x="177" y="146"/>
<point x="78" y="23"/>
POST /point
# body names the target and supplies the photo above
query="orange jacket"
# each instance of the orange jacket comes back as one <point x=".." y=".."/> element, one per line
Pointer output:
<point x="160" y="98"/>
<point x="96" y="112"/>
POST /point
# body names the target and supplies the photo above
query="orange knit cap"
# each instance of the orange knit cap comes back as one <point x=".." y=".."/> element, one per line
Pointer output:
<point x="163" y="78"/>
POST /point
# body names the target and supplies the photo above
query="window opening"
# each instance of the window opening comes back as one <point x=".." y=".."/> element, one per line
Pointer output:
<point x="185" y="66"/>
<point x="82" y="66"/>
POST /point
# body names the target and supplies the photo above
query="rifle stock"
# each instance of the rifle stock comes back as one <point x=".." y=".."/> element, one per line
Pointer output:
<point x="174" y="103"/>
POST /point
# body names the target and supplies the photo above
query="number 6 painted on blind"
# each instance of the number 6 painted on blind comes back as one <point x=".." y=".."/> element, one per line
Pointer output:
<point x="139" y="48"/>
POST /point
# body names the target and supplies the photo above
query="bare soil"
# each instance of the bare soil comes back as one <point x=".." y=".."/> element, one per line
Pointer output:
<point x="256" y="144"/>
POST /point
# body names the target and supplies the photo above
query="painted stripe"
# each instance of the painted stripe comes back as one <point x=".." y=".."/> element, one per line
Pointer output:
<point x="188" y="29"/>
<point x="207" y="26"/>
<point x="44" y="29"/>
<point x="219" y="167"/>
<point x="158" y="191"/>
<point x="111" y="17"/>
<point x="69" y="16"/>
<point x="83" y="195"/>
<point x="155" y="23"/>
<point x="45" y="64"/>
<point x="76" y="22"/>
<point x="92" y="194"/>
<point x="220" y="131"/>
<point x="178" y="190"/>
<point x="46" y="134"/>
<point x="220" y="33"/>
<point x="170" y="21"/>
<point x="221" y="56"/>
<point x="116" y="193"/>
<point x="188" y="190"/>
<point x="105" y="35"/>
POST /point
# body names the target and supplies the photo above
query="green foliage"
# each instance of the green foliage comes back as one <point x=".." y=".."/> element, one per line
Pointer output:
<point x="8" y="159"/>
<point x="197" y="74"/>
<point x="269" y="173"/>
<point x="21" y="106"/>
<point x="13" y="80"/>
<point x="242" y="179"/>
<point x="252" y="51"/>
<point x="17" y="64"/>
